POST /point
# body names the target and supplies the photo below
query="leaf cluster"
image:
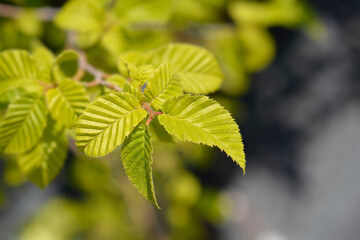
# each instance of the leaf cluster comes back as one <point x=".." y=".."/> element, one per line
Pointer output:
<point x="45" y="98"/>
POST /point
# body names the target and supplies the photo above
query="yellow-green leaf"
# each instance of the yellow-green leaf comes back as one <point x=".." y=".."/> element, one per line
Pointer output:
<point x="44" y="61"/>
<point x="81" y="15"/>
<point x="164" y="85"/>
<point x="196" y="67"/>
<point x="18" y="69"/>
<point x="67" y="101"/>
<point x="106" y="122"/>
<point x="201" y="120"/>
<point x="23" y="124"/>
<point x="43" y="162"/>
<point x="137" y="160"/>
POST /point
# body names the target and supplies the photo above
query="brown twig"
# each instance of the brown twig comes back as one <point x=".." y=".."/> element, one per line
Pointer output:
<point x="45" y="13"/>
<point x="98" y="75"/>
<point x="151" y="112"/>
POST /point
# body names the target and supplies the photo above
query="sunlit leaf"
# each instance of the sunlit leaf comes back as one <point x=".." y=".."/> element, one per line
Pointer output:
<point x="114" y="40"/>
<point x="137" y="160"/>
<point x="196" y="67"/>
<point x="67" y="101"/>
<point x="23" y="124"/>
<point x="142" y="73"/>
<point x="7" y="97"/>
<point x="164" y="85"/>
<point x="43" y="162"/>
<point x="106" y="122"/>
<point x="270" y="13"/>
<point x="201" y="120"/>
<point x="44" y="61"/>
<point x="143" y="12"/>
<point x="134" y="90"/>
<point x="80" y="15"/>
<point x="17" y="69"/>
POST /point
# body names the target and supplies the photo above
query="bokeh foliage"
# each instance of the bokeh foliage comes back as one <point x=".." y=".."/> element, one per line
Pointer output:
<point x="115" y="32"/>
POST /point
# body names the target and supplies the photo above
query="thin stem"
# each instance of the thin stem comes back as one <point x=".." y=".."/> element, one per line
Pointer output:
<point x="151" y="112"/>
<point x="45" y="13"/>
<point x="98" y="74"/>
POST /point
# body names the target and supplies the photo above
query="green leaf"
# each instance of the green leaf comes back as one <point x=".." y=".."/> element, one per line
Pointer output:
<point x="143" y="12"/>
<point x="199" y="119"/>
<point x="23" y="124"/>
<point x="115" y="40"/>
<point x="142" y="73"/>
<point x="81" y="15"/>
<point x="9" y="96"/>
<point x="43" y="162"/>
<point x="117" y="80"/>
<point x="135" y="91"/>
<point x="127" y="58"/>
<point x="106" y="122"/>
<point x="196" y="67"/>
<point x="18" y="69"/>
<point x="66" y="65"/>
<point x="259" y="47"/>
<point x="67" y="102"/>
<point x="164" y="85"/>
<point x="44" y="61"/>
<point x="137" y="160"/>
<point x="288" y="13"/>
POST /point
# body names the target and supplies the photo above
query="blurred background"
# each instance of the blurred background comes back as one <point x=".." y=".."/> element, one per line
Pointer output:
<point x="291" y="83"/>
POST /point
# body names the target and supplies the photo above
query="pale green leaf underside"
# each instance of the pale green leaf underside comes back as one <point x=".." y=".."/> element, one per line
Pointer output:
<point x="43" y="162"/>
<point x="201" y="120"/>
<point x="196" y="67"/>
<point x="164" y="85"/>
<point x="106" y="122"/>
<point x="17" y="69"/>
<point x="67" y="102"/>
<point x="137" y="160"/>
<point x="23" y="124"/>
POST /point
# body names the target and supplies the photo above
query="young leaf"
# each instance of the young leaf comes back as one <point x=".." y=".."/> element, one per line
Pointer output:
<point x="142" y="73"/>
<point x="23" y="124"/>
<point x="164" y="85"/>
<point x="133" y="91"/>
<point x="201" y="120"/>
<point x="42" y="163"/>
<point x="196" y="67"/>
<point x="17" y="69"/>
<point x="137" y="160"/>
<point x="106" y="122"/>
<point x="67" y="102"/>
